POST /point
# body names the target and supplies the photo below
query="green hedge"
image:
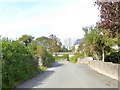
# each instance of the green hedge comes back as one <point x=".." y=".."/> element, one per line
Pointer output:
<point x="73" y="59"/>
<point x="18" y="64"/>
<point x="113" y="57"/>
<point x="65" y="56"/>
<point x="49" y="59"/>
<point x="57" y="58"/>
<point x="46" y="58"/>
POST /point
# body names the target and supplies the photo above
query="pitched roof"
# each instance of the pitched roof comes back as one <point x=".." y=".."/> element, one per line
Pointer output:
<point x="78" y="41"/>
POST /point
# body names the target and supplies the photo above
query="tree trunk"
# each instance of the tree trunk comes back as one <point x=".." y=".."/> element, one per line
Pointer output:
<point x="103" y="54"/>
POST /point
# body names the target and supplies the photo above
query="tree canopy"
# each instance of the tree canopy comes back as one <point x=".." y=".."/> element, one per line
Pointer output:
<point x="26" y="39"/>
<point x="109" y="16"/>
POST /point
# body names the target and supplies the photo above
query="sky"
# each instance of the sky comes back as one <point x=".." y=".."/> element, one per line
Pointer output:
<point x="64" y="18"/>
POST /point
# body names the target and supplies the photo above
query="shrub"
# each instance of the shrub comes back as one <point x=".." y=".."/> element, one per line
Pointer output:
<point x="57" y="58"/>
<point x="32" y="47"/>
<point x="73" y="59"/>
<point x="79" y="55"/>
<point x="65" y="56"/>
<point x="18" y="64"/>
<point x="113" y="57"/>
<point x="46" y="58"/>
<point x="49" y="59"/>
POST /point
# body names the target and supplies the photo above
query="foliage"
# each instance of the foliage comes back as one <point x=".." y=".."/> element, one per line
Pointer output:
<point x="79" y="55"/>
<point x="41" y="52"/>
<point x="26" y="39"/>
<point x="44" y="41"/>
<point x="110" y="16"/>
<point x="20" y="58"/>
<point x="73" y="59"/>
<point x="54" y="37"/>
<point x="95" y="42"/>
<point x="52" y="43"/>
<point x="55" y="43"/>
<point x="58" y="58"/>
<point x="113" y="57"/>
<point x="18" y="63"/>
<point x="65" y="56"/>
<point x="53" y="46"/>
<point x="46" y="58"/>
<point x="32" y="46"/>
<point x="49" y="59"/>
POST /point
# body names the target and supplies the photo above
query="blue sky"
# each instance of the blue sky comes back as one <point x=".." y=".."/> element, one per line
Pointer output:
<point x="64" y="18"/>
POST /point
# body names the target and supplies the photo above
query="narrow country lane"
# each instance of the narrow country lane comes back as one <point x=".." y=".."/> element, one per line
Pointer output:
<point x="67" y="75"/>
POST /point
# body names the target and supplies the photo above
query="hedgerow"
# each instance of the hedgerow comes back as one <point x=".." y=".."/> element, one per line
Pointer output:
<point x="18" y="63"/>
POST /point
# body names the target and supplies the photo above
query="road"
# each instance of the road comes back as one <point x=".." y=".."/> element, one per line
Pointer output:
<point x="67" y="75"/>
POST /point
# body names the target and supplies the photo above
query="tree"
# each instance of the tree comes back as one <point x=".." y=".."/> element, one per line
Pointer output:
<point x="44" y="41"/>
<point x="41" y="52"/>
<point x="90" y="42"/>
<point x="26" y="39"/>
<point x="98" y="42"/>
<point x="53" y="46"/>
<point x="32" y="46"/>
<point x="46" y="58"/>
<point x="55" y="43"/>
<point x="109" y="16"/>
<point x="57" y="40"/>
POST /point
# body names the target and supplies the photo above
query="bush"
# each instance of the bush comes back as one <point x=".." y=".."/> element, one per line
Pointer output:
<point x="113" y="57"/>
<point x="18" y="64"/>
<point x="79" y="55"/>
<point x="49" y="59"/>
<point x="73" y="59"/>
<point x="65" y="56"/>
<point x="57" y="58"/>
<point x="32" y="47"/>
<point x="46" y="58"/>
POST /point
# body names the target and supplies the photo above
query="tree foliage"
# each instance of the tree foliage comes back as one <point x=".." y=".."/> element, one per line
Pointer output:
<point x="110" y="16"/>
<point x="113" y="57"/>
<point x="20" y="59"/>
<point x="55" y="43"/>
<point x="18" y="63"/>
<point x="26" y="39"/>
<point x="46" y="58"/>
<point x="52" y="43"/>
<point x="95" y="41"/>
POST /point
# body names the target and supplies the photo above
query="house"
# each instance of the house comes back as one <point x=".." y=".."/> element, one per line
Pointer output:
<point x="77" y="43"/>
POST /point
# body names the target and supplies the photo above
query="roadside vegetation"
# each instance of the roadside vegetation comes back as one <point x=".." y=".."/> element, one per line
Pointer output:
<point x="63" y="57"/>
<point x="77" y="55"/>
<point x="26" y="57"/>
<point x="102" y="41"/>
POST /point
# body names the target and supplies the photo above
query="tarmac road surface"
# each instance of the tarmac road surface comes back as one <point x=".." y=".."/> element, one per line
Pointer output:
<point x="64" y="74"/>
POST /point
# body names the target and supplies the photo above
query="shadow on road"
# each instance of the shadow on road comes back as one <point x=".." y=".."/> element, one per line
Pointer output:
<point x="36" y="81"/>
<point x="56" y="64"/>
<point x="40" y="78"/>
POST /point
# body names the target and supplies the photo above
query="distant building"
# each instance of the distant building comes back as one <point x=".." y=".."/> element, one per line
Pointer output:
<point x="77" y="43"/>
